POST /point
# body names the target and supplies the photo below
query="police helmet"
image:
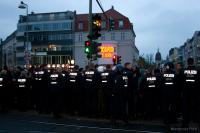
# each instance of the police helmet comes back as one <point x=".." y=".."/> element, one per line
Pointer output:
<point x="169" y="65"/>
<point x="101" y="68"/>
<point x="118" y="68"/>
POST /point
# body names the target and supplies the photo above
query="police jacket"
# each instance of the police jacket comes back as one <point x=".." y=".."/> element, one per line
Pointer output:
<point x="169" y="79"/>
<point x="22" y="82"/>
<point x="191" y="77"/>
<point x="55" y="82"/>
<point x="127" y="76"/>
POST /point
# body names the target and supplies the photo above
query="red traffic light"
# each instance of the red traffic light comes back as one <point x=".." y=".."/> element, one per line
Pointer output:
<point x="114" y="57"/>
<point x="87" y="43"/>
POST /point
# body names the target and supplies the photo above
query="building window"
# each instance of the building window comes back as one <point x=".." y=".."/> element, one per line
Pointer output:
<point x="62" y="15"/>
<point x="56" y="26"/>
<point x="103" y="25"/>
<point x="51" y="16"/>
<point x="46" y="27"/>
<point x="80" y="26"/>
<point x="37" y="27"/>
<point x="80" y="37"/>
<point x="122" y="36"/>
<point x="112" y="36"/>
<point x="103" y="37"/>
<point x="39" y="17"/>
<point x="121" y="23"/>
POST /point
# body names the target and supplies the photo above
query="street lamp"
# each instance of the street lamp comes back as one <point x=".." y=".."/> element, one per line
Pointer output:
<point x="22" y="5"/>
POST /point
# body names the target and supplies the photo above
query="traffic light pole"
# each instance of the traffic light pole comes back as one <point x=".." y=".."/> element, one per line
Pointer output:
<point x="102" y="9"/>
<point x="90" y="21"/>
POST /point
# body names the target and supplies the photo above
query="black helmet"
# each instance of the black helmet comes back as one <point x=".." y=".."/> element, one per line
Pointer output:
<point x="169" y="65"/>
<point x="118" y="68"/>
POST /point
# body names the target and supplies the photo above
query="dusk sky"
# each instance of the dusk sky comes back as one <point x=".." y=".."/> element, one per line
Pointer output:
<point x="159" y="24"/>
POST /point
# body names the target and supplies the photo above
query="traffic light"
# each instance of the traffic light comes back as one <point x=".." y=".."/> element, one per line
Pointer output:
<point x="119" y="59"/>
<point x="97" y="49"/>
<point x="114" y="59"/>
<point x="88" y="47"/>
<point x="96" y="27"/>
<point x="111" y="24"/>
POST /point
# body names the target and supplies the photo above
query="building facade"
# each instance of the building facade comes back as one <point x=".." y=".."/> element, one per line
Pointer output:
<point x="58" y="37"/>
<point x="123" y="35"/>
<point x="191" y="48"/>
<point x="1" y="54"/>
<point x="158" y="59"/>
<point x="8" y="52"/>
<point x="173" y="55"/>
<point x="45" y="38"/>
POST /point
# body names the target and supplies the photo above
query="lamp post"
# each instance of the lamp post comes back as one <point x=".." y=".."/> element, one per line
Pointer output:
<point x="22" y="5"/>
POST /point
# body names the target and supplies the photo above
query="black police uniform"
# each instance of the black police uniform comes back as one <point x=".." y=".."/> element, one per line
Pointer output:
<point x="158" y="93"/>
<point x="129" y="96"/>
<point x="190" y="95"/>
<point x="106" y="87"/>
<point x="148" y="89"/>
<point x="4" y="90"/>
<point x="91" y="93"/>
<point x="1" y="92"/>
<point x="71" y="92"/>
<point x="119" y="103"/>
<point x="56" y="86"/>
<point x="80" y="94"/>
<point x="23" y="87"/>
<point x="168" y="96"/>
<point x="179" y="80"/>
<point x="40" y="89"/>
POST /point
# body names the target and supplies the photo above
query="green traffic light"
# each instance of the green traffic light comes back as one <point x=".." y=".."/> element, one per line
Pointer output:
<point x="87" y="50"/>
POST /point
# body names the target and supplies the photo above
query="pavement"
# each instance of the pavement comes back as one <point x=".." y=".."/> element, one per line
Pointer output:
<point x="31" y="122"/>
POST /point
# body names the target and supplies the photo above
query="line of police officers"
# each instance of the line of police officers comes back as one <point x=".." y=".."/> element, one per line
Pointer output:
<point x="115" y="92"/>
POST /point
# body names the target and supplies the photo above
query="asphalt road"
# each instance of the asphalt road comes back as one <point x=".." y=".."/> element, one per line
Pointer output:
<point x="33" y="123"/>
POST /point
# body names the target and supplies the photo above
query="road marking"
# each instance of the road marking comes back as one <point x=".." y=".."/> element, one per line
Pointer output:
<point x="92" y="127"/>
<point x="40" y="132"/>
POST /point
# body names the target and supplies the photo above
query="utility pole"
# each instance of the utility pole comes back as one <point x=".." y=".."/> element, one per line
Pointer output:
<point x="90" y="18"/>
<point x="90" y="23"/>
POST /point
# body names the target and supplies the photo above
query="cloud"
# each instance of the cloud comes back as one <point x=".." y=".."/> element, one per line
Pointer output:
<point x="157" y="23"/>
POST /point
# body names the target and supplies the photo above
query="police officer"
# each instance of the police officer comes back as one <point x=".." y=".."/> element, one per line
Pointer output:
<point x="80" y="95"/>
<point x="23" y="91"/>
<point x="56" y="87"/>
<point x="158" y="94"/>
<point x="168" y="94"/>
<point x="118" y="109"/>
<point x="179" y="80"/>
<point x="106" y="85"/>
<point x="91" y="82"/>
<point x="72" y="91"/>
<point x="135" y="93"/>
<point x="40" y="88"/>
<point x="4" y="90"/>
<point x="129" y="96"/>
<point x="148" y="89"/>
<point x="190" y="93"/>
<point x="100" y="92"/>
